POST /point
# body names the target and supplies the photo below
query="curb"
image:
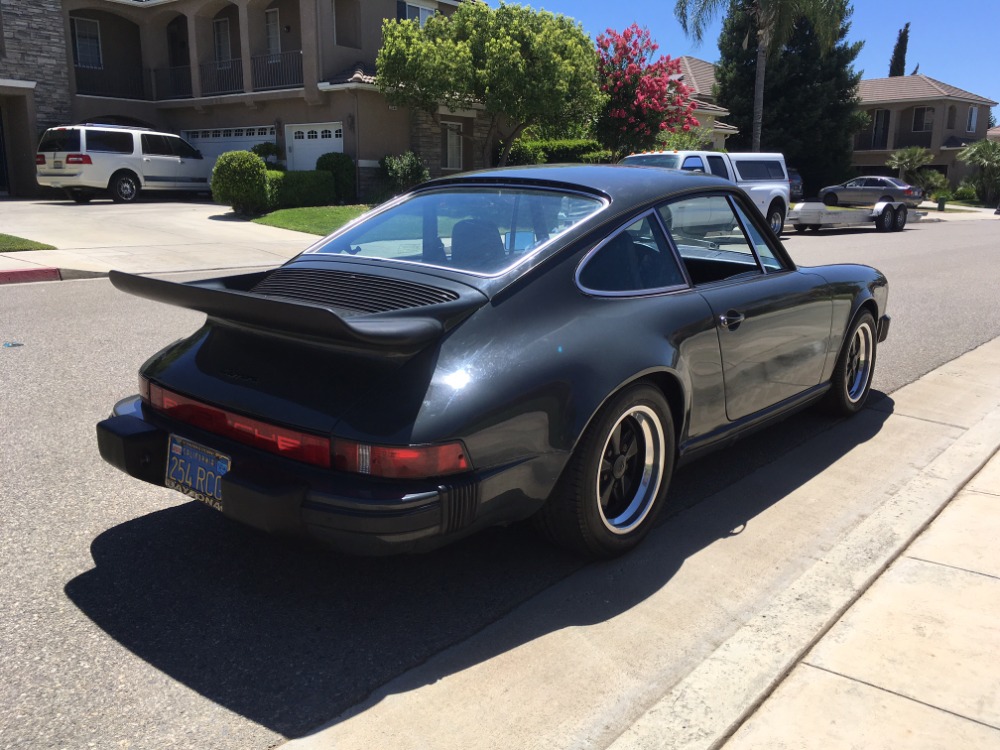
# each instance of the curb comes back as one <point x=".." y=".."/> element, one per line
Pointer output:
<point x="23" y="275"/>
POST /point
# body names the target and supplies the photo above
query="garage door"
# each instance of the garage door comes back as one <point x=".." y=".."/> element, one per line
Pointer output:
<point x="305" y="143"/>
<point x="217" y="141"/>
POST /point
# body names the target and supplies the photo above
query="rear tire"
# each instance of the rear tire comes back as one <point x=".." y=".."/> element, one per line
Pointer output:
<point x="901" y="216"/>
<point x="776" y="218"/>
<point x="830" y="199"/>
<point x="886" y="220"/>
<point x="852" y="376"/>
<point x="615" y="484"/>
<point x="124" y="187"/>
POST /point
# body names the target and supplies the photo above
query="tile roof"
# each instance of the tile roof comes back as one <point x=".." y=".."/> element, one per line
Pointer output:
<point x="913" y="88"/>
<point x="993" y="134"/>
<point x="360" y="72"/>
<point x="699" y="75"/>
<point x="703" y="106"/>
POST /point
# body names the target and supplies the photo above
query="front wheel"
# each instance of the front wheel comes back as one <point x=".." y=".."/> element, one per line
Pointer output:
<point x="852" y="377"/>
<point x="124" y="187"/>
<point x="830" y="199"/>
<point x="776" y="218"/>
<point x="615" y="483"/>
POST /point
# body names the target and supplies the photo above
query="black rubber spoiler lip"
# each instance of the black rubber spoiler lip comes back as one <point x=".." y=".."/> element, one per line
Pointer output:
<point x="399" y="335"/>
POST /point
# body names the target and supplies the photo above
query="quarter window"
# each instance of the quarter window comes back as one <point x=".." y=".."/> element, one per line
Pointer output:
<point x="636" y="259"/>
<point x="110" y="141"/>
<point x="87" y="43"/>
<point x="760" y="169"/>
<point x="923" y="119"/>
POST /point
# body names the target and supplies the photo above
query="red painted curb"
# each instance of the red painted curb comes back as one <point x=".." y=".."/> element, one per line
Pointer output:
<point x="29" y="274"/>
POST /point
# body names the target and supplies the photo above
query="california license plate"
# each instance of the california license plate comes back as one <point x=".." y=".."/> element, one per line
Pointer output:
<point x="196" y="471"/>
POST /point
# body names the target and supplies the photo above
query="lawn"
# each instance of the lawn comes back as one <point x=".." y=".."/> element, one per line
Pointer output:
<point x="319" y="220"/>
<point x="10" y="244"/>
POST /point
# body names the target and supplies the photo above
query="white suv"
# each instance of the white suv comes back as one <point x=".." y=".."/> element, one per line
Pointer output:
<point x="86" y="159"/>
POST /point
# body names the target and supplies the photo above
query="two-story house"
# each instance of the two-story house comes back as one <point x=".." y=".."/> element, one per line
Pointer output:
<point x="226" y="74"/>
<point x="919" y="111"/>
<point x="699" y="76"/>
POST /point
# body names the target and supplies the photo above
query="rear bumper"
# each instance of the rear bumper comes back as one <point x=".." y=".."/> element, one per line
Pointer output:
<point x="883" y="328"/>
<point x="354" y="514"/>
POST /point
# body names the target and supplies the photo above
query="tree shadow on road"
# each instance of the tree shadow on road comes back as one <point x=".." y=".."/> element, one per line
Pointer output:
<point x="290" y="635"/>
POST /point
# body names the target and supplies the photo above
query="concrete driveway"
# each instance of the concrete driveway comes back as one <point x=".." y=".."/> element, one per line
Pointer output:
<point x="145" y="237"/>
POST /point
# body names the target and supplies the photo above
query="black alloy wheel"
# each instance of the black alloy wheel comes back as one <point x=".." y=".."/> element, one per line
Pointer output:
<point x="886" y="220"/>
<point x="830" y="199"/>
<point x="852" y="377"/>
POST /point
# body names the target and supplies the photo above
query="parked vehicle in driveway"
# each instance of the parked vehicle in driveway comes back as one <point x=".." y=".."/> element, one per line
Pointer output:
<point x="795" y="190"/>
<point x="763" y="176"/>
<point x="867" y="191"/>
<point x="497" y="345"/>
<point x="85" y="160"/>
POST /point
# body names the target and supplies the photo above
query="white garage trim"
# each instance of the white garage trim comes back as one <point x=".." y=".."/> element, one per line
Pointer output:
<point x="306" y="142"/>
<point x="215" y="141"/>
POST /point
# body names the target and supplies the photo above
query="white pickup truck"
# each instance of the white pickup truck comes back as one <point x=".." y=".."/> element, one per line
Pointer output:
<point x="764" y="177"/>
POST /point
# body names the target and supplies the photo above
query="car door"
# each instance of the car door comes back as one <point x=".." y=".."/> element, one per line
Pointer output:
<point x="853" y="192"/>
<point x="192" y="168"/>
<point x="159" y="162"/>
<point x="773" y="322"/>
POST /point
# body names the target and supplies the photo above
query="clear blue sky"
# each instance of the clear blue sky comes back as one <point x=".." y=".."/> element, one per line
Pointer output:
<point x="955" y="42"/>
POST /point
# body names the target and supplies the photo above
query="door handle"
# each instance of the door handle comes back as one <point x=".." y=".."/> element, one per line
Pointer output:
<point x="731" y="320"/>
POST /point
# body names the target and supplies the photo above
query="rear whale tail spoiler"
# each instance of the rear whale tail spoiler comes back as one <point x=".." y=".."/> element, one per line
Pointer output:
<point x="385" y="333"/>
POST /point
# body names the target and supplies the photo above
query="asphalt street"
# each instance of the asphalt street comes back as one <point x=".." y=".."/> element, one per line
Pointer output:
<point x="133" y="618"/>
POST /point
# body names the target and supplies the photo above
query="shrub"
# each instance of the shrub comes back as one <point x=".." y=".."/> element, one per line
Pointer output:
<point x="341" y="166"/>
<point x="551" y="151"/>
<point x="239" y="180"/>
<point x="965" y="192"/>
<point x="300" y="188"/>
<point x="403" y="172"/>
<point x="931" y="181"/>
<point x="604" y="156"/>
<point x="266" y="151"/>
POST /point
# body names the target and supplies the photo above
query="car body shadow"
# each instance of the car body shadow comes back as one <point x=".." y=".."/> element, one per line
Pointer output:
<point x="290" y="635"/>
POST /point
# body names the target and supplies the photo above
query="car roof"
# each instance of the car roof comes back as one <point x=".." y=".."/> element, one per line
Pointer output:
<point x="635" y="183"/>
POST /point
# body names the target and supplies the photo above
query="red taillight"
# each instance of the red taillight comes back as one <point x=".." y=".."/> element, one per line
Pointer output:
<point x="40" y="160"/>
<point x="300" y="446"/>
<point x="400" y="462"/>
<point x="78" y="159"/>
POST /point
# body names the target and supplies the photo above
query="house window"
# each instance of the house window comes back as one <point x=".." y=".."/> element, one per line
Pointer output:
<point x="970" y="124"/>
<point x="452" y="146"/>
<point x="220" y="41"/>
<point x="880" y="129"/>
<point x="272" y="30"/>
<point x="346" y="23"/>
<point x="923" y="119"/>
<point x="87" y="43"/>
<point x="951" y="117"/>
<point x="412" y="12"/>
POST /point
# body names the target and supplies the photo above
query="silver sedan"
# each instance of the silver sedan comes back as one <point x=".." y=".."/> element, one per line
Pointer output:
<point x="867" y="191"/>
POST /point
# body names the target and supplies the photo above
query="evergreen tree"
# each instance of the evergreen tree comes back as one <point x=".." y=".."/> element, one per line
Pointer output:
<point x="897" y="65"/>
<point x="812" y="113"/>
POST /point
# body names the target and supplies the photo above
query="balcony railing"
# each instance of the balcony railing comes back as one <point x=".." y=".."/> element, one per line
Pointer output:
<point x="172" y="83"/>
<point x="222" y="77"/>
<point x="282" y="70"/>
<point x="125" y="83"/>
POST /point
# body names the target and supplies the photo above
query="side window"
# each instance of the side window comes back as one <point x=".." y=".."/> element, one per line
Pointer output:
<point x="718" y="166"/>
<point x="183" y="149"/>
<point x="760" y="169"/>
<point x="636" y="259"/>
<point x="693" y="164"/>
<point x="156" y="145"/>
<point x="110" y="141"/>
<point x="709" y="239"/>
<point x="765" y="254"/>
<point x="855" y="183"/>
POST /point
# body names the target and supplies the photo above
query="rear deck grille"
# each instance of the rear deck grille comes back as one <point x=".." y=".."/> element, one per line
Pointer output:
<point x="349" y="291"/>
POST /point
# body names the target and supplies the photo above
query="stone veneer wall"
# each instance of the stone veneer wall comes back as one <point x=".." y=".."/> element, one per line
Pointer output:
<point x="34" y="45"/>
<point x="425" y="141"/>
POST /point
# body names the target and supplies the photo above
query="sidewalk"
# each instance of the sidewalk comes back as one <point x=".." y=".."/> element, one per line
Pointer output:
<point x="914" y="662"/>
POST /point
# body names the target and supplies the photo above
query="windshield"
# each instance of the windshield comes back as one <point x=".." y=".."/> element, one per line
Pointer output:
<point x="653" y="160"/>
<point x="482" y="230"/>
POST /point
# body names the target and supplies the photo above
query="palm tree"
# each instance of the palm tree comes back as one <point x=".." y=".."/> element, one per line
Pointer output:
<point x="775" y="21"/>
<point x="909" y="161"/>
<point x="985" y="155"/>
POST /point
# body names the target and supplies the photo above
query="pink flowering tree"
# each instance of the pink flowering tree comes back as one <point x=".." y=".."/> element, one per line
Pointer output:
<point x="645" y="96"/>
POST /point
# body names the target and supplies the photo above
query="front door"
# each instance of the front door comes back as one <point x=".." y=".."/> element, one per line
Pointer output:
<point x="159" y="162"/>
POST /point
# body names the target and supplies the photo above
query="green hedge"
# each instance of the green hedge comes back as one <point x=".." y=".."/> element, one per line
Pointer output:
<point x="240" y="180"/>
<point x="341" y="166"/>
<point x="564" y="151"/>
<point x="300" y="188"/>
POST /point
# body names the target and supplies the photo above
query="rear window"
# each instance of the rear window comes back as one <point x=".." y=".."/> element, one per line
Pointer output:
<point x="109" y="141"/>
<point x="480" y="230"/>
<point x="670" y="161"/>
<point x="760" y="169"/>
<point x="60" y="140"/>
